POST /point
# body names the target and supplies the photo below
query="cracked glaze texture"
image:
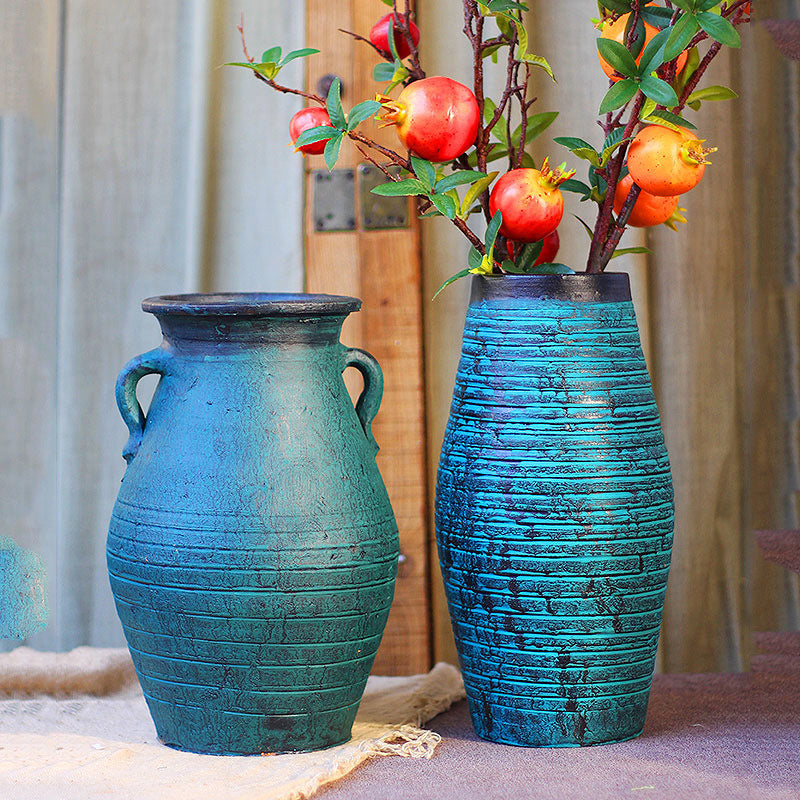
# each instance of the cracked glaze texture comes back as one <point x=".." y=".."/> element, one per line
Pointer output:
<point x="554" y="511"/>
<point x="252" y="549"/>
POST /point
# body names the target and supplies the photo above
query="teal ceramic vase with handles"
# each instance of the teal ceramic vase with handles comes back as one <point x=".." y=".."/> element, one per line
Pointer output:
<point x="554" y="511"/>
<point x="252" y="549"/>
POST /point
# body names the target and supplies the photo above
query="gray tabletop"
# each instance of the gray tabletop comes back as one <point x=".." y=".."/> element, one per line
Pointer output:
<point x="721" y="737"/>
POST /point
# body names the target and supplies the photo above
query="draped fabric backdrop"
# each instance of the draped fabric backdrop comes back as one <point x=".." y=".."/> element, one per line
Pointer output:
<point x="130" y="166"/>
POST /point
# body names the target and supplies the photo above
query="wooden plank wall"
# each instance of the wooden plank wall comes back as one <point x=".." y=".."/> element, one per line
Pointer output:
<point x="383" y="268"/>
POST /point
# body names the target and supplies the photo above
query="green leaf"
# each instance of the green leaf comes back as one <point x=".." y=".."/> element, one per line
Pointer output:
<point x="579" y="148"/>
<point x="499" y="6"/>
<point x="536" y="125"/>
<point x="460" y="178"/>
<point x="273" y="55"/>
<point x="541" y="62"/>
<point x="398" y="188"/>
<point x="452" y="279"/>
<point x="585" y="226"/>
<point x="573" y="143"/>
<point x="490" y="51"/>
<point x="269" y="70"/>
<point x="474" y="259"/>
<point x="383" y="72"/>
<point x="618" y="95"/>
<point x="361" y="112"/>
<point x="712" y="93"/>
<point x="624" y="251"/>
<point x="527" y="161"/>
<point x="552" y="268"/>
<point x="528" y="253"/>
<point x="620" y="6"/>
<point x="392" y="43"/>
<point x="492" y="229"/>
<point x="705" y="5"/>
<point x="317" y="134"/>
<point x="579" y="187"/>
<point x="682" y="32"/>
<point x="686" y="5"/>
<point x="474" y="192"/>
<point x="668" y="120"/>
<point x="444" y="204"/>
<point x="302" y="53"/>
<point x="720" y="29"/>
<point x="657" y="17"/>
<point x="648" y="107"/>
<point x="618" y="56"/>
<point x="639" y="36"/>
<point x="653" y="55"/>
<point x="387" y="3"/>
<point x="660" y="91"/>
<point x="615" y="137"/>
<point x="611" y="148"/>
<point x="685" y="75"/>
<point x="331" y="153"/>
<point x="425" y="171"/>
<point x="334" y="105"/>
<point x="498" y="131"/>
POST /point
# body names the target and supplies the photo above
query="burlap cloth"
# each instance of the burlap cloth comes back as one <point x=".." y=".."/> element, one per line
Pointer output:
<point x="74" y="726"/>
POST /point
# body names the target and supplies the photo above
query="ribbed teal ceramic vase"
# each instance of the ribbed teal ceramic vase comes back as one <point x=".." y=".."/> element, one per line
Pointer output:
<point x="554" y="511"/>
<point x="252" y="549"/>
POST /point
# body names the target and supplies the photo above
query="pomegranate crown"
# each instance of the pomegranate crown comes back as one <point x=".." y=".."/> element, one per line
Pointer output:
<point x="693" y="152"/>
<point x="393" y="110"/>
<point x="553" y="177"/>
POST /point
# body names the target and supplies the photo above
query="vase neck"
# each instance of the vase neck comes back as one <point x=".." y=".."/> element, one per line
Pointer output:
<point x="606" y="287"/>
<point x="231" y="332"/>
<point x="197" y="321"/>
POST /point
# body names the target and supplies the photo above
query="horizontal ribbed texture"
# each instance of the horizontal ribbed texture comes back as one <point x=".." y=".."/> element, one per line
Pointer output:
<point x="554" y="516"/>
<point x="252" y="550"/>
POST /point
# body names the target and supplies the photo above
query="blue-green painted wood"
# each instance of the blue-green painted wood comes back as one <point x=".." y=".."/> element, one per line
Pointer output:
<point x="554" y="511"/>
<point x="252" y="549"/>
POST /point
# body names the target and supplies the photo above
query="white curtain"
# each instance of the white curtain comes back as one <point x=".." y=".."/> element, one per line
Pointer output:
<point x="131" y="164"/>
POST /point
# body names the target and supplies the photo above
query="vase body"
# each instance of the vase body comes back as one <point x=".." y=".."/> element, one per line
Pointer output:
<point x="252" y="549"/>
<point x="554" y="511"/>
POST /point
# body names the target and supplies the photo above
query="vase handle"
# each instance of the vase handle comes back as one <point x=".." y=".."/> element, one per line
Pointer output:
<point x="146" y="364"/>
<point x="369" y="400"/>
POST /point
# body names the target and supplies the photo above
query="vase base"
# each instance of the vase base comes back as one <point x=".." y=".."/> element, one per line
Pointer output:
<point x="557" y="745"/>
<point x="584" y="727"/>
<point x="211" y="731"/>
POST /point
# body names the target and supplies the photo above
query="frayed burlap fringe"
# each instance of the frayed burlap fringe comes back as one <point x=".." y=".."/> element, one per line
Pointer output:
<point x="73" y="746"/>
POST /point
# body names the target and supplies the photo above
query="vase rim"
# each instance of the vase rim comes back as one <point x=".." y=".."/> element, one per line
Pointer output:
<point x="580" y="286"/>
<point x="252" y="304"/>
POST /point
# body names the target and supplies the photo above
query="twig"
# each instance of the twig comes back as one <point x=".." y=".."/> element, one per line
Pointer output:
<point x="315" y="98"/>
<point x="603" y="224"/>
<point x="240" y="28"/>
<point x="382" y="53"/>
<point x="374" y="161"/>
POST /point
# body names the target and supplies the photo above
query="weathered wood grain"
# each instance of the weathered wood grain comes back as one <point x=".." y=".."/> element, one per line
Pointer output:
<point x="383" y="268"/>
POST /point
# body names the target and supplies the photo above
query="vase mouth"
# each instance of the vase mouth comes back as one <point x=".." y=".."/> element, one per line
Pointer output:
<point x="252" y="304"/>
<point x="602" y="287"/>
